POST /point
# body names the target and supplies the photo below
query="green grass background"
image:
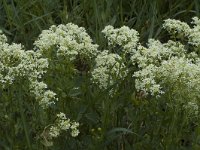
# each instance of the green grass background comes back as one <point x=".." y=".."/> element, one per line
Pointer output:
<point x="23" y="20"/>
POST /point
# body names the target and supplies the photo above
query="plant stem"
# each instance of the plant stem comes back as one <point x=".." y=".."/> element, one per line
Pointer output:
<point x="20" y="100"/>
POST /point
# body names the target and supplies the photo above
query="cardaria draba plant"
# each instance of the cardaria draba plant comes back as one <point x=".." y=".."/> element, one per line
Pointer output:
<point x="20" y="70"/>
<point x="112" y="65"/>
<point x="109" y="70"/>
<point x="23" y="92"/>
<point x="67" y="42"/>
<point x="61" y="125"/>
<point x="170" y="72"/>
<point x="18" y="65"/>
<point x="177" y="28"/>
<point x="172" y="63"/>
<point x="124" y="36"/>
<point x="182" y="30"/>
<point x="131" y="94"/>
<point x="70" y="52"/>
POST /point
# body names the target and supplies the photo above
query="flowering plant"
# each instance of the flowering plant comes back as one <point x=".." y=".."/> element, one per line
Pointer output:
<point x="67" y="89"/>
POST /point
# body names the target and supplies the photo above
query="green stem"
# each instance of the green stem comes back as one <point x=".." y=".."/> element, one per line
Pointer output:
<point x="23" y="119"/>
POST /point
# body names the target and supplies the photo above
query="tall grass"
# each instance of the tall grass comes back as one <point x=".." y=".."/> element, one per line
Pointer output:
<point x="124" y="122"/>
<point x="23" y="20"/>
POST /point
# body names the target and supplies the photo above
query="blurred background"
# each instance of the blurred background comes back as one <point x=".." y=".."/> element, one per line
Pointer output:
<point x="23" y="20"/>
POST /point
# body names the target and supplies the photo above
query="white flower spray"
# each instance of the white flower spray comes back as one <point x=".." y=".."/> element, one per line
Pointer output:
<point x="70" y="41"/>
<point x="65" y="124"/>
<point x="124" y="36"/>
<point x="108" y="70"/>
<point x="18" y="64"/>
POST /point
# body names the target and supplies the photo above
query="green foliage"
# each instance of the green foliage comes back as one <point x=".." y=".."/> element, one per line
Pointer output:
<point x="23" y="20"/>
<point x="150" y="95"/>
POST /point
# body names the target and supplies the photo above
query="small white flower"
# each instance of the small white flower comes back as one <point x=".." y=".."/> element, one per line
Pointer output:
<point x="124" y="36"/>
<point x="63" y="123"/>
<point x="75" y="133"/>
<point x="177" y="28"/>
<point x="69" y="41"/>
<point x="54" y="131"/>
<point x="109" y="69"/>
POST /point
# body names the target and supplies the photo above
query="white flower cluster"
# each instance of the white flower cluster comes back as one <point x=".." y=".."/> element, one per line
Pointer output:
<point x="177" y="28"/>
<point x="63" y="123"/>
<point x="42" y="95"/>
<point x="16" y="64"/>
<point x="146" y="80"/>
<point x="68" y="41"/>
<point x="124" y="36"/>
<point x="169" y="66"/>
<point x="157" y="52"/>
<point x="109" y="69"/>
<point x="173" y="72"/>
<point x="194" y="36"/>
<point x="182" y="30"/>
<point x="3" y="38"/>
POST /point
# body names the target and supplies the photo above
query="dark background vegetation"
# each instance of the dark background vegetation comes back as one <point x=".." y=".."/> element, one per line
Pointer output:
<point x="23" y="20"/>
